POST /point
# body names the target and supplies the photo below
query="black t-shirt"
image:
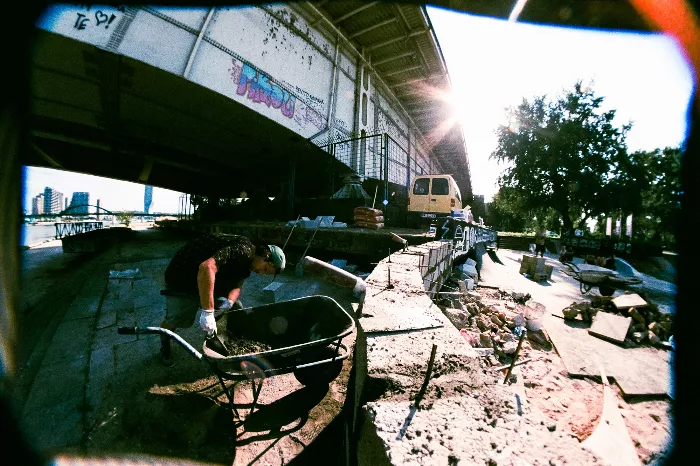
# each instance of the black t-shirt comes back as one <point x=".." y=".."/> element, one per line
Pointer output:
<point x="233" y="256"/>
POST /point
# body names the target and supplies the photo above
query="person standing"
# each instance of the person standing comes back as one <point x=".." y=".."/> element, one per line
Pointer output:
<point x="540" y="238"/>
<point x="211" y="265"/>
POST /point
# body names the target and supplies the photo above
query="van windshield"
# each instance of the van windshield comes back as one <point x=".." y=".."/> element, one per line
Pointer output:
<point x="441" y="187"/>
<point x="421" y="186"/>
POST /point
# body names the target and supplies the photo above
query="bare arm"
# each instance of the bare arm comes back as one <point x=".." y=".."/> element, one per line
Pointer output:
<point x="235" y="293"/>
<point x="205" y="283"/>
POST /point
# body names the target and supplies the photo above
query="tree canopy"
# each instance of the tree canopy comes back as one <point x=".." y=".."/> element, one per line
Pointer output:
<point x="567" y="155"/>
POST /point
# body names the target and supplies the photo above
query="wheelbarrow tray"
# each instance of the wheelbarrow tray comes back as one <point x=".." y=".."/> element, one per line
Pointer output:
<point x="301" y="333"/>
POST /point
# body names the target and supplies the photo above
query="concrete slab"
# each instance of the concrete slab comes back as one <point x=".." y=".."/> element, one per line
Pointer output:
<point x="638" y="371"/>
<point x="55" y="383"/>
<point x="108" y="337"/>
<point x="72" y="338"/>
<point x="627" y="301"/>
<point x="88" y="301"/>
<point x="610" y="326"/>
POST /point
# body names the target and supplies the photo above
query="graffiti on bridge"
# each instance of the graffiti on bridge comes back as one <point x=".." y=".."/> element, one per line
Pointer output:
<point x="463" y="235"/>
<point x="99" y="19"/>
<point x="261" y="88"/>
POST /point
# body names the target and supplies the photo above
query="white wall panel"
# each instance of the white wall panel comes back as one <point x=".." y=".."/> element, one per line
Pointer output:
<point x="270" y="46"/>
<point x="155" y="41"/>
<point x="192" y="17"/>
<point x="345" y="104"/>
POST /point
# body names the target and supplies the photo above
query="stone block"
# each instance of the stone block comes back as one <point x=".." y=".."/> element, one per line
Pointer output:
<point x="271" y="292"/>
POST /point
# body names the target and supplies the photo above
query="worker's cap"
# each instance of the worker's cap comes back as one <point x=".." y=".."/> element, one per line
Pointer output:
<point x="277" y="258"/>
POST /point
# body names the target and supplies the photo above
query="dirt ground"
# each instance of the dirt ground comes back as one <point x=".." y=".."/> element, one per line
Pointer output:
<point x="575" y="405"/>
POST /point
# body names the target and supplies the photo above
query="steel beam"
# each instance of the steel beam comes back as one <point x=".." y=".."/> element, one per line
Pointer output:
<point x="403" y="70"/>
<point x="354" y="12"/>
<point x="397" y="39"/>
<point x="372" y="28"/>
<point x="393" y="58"/>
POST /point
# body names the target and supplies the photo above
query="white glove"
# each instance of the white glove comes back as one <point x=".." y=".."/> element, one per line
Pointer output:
<point x="207" y="321"/>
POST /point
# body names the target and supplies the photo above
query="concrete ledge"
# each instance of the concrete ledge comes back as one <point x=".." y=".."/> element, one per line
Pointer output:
<point x="466" y="416"/>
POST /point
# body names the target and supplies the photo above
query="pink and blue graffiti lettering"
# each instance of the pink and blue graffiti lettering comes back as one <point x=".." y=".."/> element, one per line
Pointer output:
<point x="262" y="89"/>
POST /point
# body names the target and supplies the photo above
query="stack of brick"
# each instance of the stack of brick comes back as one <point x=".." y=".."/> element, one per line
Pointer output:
<point x="366" y="217"/>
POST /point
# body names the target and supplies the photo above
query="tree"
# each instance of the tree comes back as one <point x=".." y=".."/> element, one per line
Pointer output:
<point x="661" y="198"/>
<point x="568" y="156"/>
<point x="509" y="211"/>
<point x="125" y="218"/>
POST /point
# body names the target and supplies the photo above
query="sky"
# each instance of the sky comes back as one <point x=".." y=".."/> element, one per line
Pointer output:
<point x="494" y="64"/>
<point x="114" y="195"/>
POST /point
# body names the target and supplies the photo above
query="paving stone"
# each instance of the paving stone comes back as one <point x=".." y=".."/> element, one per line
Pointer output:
<point x="108" y="337"/>
<point x="71" y="338"/>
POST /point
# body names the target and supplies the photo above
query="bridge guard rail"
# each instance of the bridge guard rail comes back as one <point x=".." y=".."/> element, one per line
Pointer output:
<point x="464" y="235"/>
<point x="64" y="229"/>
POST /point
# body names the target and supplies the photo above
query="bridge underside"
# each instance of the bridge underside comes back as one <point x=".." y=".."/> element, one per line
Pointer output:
<point x="104" y="114"/>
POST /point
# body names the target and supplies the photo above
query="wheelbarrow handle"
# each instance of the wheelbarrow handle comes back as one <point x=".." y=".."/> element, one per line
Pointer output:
<point x="161" y="331"/>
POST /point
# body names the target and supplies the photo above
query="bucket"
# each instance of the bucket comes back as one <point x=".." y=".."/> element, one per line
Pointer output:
<point x="533" y="316"/>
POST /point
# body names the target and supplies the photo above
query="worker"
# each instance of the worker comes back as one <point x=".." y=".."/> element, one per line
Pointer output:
<point x="211" y="265"/>
<point x="540" y="238"/>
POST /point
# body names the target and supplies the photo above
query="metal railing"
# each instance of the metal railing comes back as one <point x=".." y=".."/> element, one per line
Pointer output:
<point x="74" y="228"/>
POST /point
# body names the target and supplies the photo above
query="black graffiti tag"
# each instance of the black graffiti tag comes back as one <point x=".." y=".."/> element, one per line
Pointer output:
<point x="102" y="18"/>
<point x="80" y="22"/>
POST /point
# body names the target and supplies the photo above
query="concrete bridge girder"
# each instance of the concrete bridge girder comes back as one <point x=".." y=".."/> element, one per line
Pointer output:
<point x="212" y="100"/>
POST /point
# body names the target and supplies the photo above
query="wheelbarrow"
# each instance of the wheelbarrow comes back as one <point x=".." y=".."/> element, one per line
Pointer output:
<point x="304" y="336"/>
<point x="607" y="281"/>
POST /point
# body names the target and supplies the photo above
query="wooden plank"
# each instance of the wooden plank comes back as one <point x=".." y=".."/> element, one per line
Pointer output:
<point x="626" y="301"/>
<point x="638" y="371"/>
<point x="610" y="326"/>
<point x="611" y="440"/>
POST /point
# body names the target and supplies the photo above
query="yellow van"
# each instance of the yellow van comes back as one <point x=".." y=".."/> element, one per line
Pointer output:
<point x="432" y="196"/>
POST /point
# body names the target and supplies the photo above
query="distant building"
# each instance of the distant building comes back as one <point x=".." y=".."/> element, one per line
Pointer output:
<point x="147" y="199"/>
<point x="65" y="204"/>
<point x="38" y="204"/>
<point x="81" y="199"/>
<point x="53" y="201"/>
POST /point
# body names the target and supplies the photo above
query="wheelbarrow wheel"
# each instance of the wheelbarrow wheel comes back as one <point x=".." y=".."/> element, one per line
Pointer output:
<point x="606" y="290"/>
<point x="323" y="374"/>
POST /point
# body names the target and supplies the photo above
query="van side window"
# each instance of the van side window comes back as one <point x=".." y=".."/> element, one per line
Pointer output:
<point x="441" y="187"/>
<point x="421" y="186"/>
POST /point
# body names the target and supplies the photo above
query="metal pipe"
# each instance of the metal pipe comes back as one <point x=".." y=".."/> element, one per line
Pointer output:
<point x="195" y="47"/>
<point x="290" y="233"/>
<point x="523" y="333"/>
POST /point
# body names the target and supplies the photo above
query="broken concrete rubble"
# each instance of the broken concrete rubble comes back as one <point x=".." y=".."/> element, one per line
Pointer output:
<point x="649" y="325"/>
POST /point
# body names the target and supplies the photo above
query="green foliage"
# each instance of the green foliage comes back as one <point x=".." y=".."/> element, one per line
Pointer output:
<point x="566" y="155"/>
<point x="510" y="211"/>
<point x="661" y="197"/>
<point x="125" y="217"/>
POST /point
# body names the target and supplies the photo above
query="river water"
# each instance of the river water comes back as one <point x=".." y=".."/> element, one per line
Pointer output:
<point x="33" y="234"/>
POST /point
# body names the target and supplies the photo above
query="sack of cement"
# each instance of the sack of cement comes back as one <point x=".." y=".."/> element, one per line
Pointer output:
<point x="325" y="221"/>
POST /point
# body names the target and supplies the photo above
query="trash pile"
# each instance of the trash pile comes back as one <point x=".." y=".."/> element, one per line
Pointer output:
<point x="648" y="324"/>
